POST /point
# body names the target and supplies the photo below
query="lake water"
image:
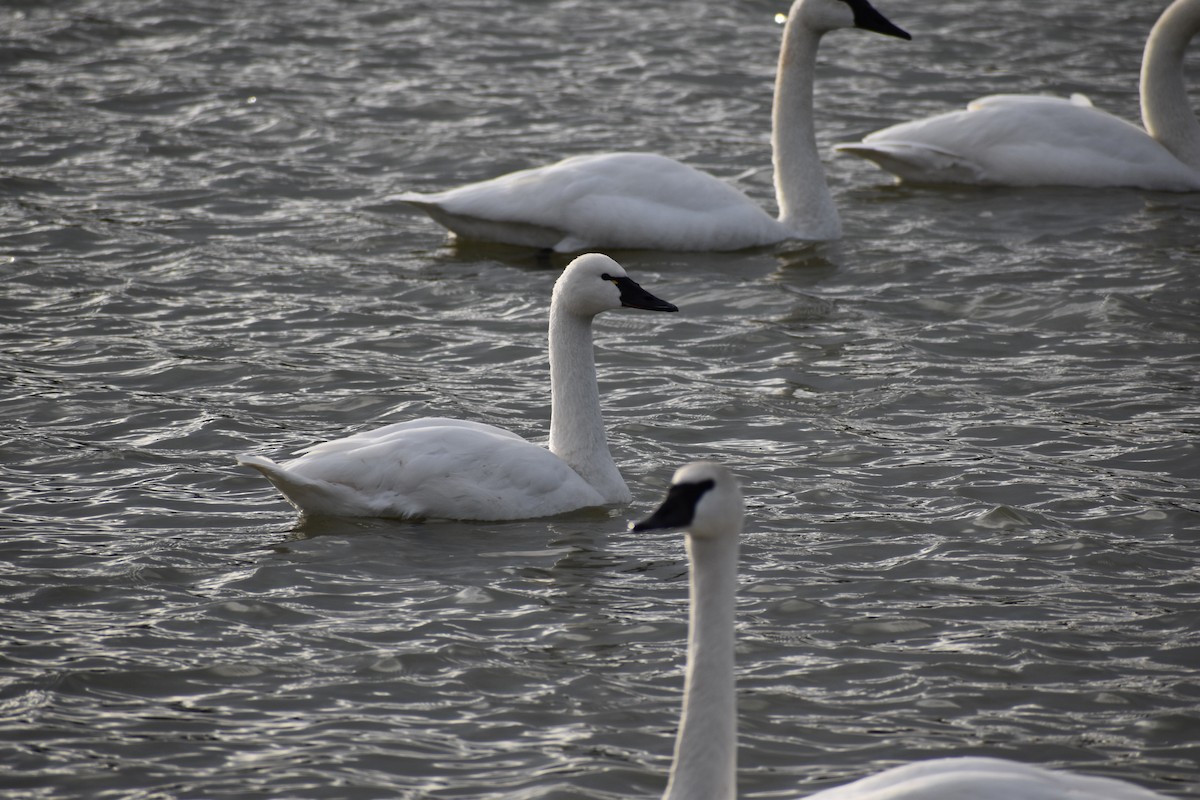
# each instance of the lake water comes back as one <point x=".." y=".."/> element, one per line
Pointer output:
<point x="968" y="432"/>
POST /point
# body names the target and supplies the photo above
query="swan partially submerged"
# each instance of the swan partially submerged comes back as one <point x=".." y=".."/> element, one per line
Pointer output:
<point x="1036" y="140"/>
<point x="706" y="500"/>
<point x="456" y="469"/>
<point x="647" y="201"/>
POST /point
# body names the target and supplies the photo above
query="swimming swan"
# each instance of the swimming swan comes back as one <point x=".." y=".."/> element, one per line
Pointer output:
<point x="705" y="499"/>
<point x="647" y="201"/>
<point x="453" y="469"/>
<point x="1031" y="140"/>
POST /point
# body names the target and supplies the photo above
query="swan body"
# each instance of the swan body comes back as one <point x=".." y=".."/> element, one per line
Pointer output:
<point x="705" y="499"/>
<point x="647" y="201"/>
<point x="456" y="469"/>
<point x="433" y="467"/>
<point x="1034" y="140"/>
<point x="622" y="200"/>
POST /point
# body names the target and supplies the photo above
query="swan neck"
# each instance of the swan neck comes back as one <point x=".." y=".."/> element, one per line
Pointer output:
<point x="805" y="204"/>
<point x="705" y="766"/>
<point x="577" y="433"/>
<point x="1166" y="112"/>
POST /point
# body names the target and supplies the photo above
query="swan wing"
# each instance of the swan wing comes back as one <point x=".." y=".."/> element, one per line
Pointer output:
<point x="1026" y="140"/>
<point x="396" y="429"/>
<point x="612" y="200"/>
<point x="439" y="468"/>
<point x="983" y="779"/>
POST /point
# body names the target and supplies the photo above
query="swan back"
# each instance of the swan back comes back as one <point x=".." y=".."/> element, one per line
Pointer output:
<point x="605" y="200"/>
<point x="981" y="778"/>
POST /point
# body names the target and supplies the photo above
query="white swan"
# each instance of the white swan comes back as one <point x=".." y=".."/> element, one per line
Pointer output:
<point x="705" y="499"/>
<point x="1031" y="140"/>
<point x="452" y="469"/>
<point x="646" y="201"/>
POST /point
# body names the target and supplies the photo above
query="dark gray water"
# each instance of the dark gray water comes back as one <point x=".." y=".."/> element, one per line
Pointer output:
<point x="968" y="432"/>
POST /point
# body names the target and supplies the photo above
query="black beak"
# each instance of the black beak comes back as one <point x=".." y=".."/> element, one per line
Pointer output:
<point x="634" y="296"/>
<point x="867" y="18"/>
<point x="677" y="510"/>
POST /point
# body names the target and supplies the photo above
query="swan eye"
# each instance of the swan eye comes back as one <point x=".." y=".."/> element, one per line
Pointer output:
<point x="609" y="278"/>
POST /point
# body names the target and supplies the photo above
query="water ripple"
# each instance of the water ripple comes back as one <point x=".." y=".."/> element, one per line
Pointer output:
<point x="967" y="432"/>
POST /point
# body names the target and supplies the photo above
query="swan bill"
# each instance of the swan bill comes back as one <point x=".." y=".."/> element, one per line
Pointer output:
<point x="634" y="296"/>
<point x="867" y="17"/>
<point x="678" y="509"/>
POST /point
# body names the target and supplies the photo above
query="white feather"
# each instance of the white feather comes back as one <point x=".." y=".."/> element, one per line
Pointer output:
<point x="455" y="469"/>
<point x="646" y="201"/>
<point x="1034" y="140"/>
<point x="621" y="200"/>
<point x="705" y="763"/>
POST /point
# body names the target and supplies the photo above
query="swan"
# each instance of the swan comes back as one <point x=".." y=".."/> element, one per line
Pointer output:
<point x="705" y="499"/>
<point x="1033" y="140"/>
<point x="651" y="202"/>
<point x="456" y="469"/>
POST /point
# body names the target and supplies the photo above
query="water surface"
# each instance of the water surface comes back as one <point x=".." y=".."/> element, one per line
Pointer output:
<point x="968" y="432"/>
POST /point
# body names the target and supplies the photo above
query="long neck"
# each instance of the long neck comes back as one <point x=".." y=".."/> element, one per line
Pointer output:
<point x="577" y="434"/>
<point x="705" y="766"/>
<point x="1166" y="112"/>
<point x="805" y="204"/>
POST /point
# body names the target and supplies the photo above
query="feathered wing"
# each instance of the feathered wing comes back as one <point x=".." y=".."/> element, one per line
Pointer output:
<point x="612" y="200"/>
<point x="435" y="467"/>
<point x="1026" y="140"/>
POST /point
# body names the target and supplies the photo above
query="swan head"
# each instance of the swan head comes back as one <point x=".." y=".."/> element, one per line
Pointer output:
<point x="828" y="15"/>
<point x="705" y="498"/>
<point x="593" y="282"/>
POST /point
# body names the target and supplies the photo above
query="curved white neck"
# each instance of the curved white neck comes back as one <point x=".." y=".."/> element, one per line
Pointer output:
<point x="805" y="204"/>
<point x="1166" y="112"/>
<point x="705" y="766"/>
<point x="577" y="434"/>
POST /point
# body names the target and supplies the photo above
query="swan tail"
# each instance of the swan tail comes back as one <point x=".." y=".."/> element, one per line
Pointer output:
<point x="308" y="496"/>
<point x="915" y="163"/>
<point x="404" y="202"/>
<point x="415" y="199"/>
<point x="479" y="227"/>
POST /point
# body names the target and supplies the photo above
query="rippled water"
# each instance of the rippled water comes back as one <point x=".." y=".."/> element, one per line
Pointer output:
<point x="968" y="431"/>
